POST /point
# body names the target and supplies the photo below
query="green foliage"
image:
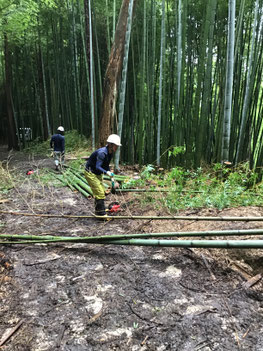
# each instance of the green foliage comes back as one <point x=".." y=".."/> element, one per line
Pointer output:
<point x="21" y="16"/>
<point x="176" y="150"/>
<point x="147" y="170"/>
<point x="51" y="30"/>
<point x="74" y="144"/>
<point x="215" y="187"/>
<point x="47" y="178"/>
<point x="6" y="180"/>
<point x="2" y="225"/>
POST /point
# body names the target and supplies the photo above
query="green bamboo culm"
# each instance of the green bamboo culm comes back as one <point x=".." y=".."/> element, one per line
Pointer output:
<point x="224" y="244"/>
<point x="79" y="184"/>
<point x="51" y="238"/>
<point x="157" y="191"/>
<point x="183" y="218"/>
<point x="118" y="177"/>
<point x="124" y="78"/>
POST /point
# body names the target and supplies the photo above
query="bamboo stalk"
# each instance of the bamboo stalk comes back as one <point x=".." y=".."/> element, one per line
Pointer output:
<point x="63" y="181"/>
<point x="181" y="218"/>
<point x="82" y="191"/>
<point x="157" y="190"/>
<point x="83" y="179"/>
<point x="135" y="235"/>
<point x="79" y="184"/>
<point x="117" y="177"/>
<point x="226" y="244"/>
<point x="83" y="182"/>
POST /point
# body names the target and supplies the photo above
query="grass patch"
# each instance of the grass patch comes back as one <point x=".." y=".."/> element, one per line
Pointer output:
<point x="6" y="180"/>
<point x="45" y="177"/>
<point x="75" y="144"/>
<point x="212" y="187"/>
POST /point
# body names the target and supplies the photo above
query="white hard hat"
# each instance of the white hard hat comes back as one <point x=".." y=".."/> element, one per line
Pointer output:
<point x="61" y="129"/>
<point x="114" y="139"/>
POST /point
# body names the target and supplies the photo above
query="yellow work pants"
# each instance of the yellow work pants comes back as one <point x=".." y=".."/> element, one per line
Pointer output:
<point x="95" y="182"/>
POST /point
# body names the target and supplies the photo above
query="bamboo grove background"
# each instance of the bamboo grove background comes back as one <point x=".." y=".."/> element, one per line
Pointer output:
<point x="193" y="84"/>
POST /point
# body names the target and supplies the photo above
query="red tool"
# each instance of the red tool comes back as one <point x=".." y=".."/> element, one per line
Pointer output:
<point x="29" y="172"/>
<point x="114" y="207"/>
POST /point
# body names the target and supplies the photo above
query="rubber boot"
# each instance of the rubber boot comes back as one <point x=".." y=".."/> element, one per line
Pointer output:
<point x="100" y="207"/>
<point x="56" y="164"/>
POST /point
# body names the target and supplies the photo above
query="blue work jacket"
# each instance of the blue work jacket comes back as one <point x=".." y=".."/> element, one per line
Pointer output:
<point x="99" y="161"/>
<point x="58" y="142"/>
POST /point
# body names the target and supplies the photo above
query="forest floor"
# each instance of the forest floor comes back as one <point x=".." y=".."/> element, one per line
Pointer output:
<point x="79" y="297"/>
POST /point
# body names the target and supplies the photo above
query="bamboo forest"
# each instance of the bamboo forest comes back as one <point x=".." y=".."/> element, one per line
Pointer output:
<point x="179" y="80"/>
<point x="131" y="175"/>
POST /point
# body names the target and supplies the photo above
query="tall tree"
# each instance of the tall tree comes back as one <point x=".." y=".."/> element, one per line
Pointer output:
<point x="229" y="80"/>
<point x="112" y="76"/>
<point x="91" y="78"/>
<point x="12" y="129"/>
<point x="249" y="83"/>
<point x="124" y="79"/>
<point x="162" y="54"/>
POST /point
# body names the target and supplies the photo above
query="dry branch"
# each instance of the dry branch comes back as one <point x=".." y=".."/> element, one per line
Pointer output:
<point x="12" y="331"/>
<point x="252" y="281"/>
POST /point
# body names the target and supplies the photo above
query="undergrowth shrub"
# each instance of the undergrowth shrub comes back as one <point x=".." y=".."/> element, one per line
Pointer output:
<point x="212" y="187"/>
<point x="74" y="144"/>
<point x="6" y="180"/>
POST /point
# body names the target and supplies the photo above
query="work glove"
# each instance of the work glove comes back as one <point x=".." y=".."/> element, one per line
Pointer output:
<point x="114" y="185"/>
<point x="110" y="174"/>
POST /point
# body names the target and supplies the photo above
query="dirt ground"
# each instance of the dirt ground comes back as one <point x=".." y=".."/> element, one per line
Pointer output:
<point x="80" y="297"/>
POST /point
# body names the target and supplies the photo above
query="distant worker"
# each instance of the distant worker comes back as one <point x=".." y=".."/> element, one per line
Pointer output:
<point x="97" y="165"/>
<point x="57" y="143"/>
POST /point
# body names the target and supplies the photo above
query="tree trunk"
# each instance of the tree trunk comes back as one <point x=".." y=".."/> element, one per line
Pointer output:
<point x="124" y="80"/>
<point x="12" y="139"/>
<point x="112" y="76"/>
<point x="43" y="96"/>
<point x="162" y="54"/>
<point x="248" y="91"/>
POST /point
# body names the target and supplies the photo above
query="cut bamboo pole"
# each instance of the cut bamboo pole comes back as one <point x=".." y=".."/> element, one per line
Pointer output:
<point x="170" y="218"/>
<point x="117" y="177"/>
<point x="82" y="191"/>
<point x="248" y="232"/>
<point x="81" y="181"/>
<point x="157" y="191"/>
<point x="224" y="244"/>
<point x="79" y="184"/>
<point x="63" y="181"/>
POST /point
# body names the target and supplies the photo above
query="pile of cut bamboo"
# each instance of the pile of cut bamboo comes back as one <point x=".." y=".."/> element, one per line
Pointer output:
<point x="76" y="181"/>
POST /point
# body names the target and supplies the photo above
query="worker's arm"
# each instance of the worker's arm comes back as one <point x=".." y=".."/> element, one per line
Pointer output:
<point x="100" y="159"/>
<point x="63" y="145"/>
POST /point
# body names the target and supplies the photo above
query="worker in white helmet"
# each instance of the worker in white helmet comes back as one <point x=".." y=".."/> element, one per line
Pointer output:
<point x="57" y="143"/>
<point x="97" y="165"/>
